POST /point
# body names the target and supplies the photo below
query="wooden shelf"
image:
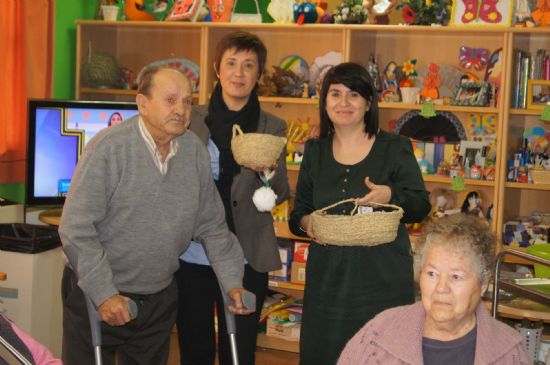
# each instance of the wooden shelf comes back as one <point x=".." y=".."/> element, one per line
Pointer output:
<point x="286" y="285"/>
<point x="536" y="112"/>
<point x="283" y="100"/>
<point x="114" y="92"/>
<point x="432" y="178"/>
<point x="527" y="186"/>
<point x="448" y="180"/>
<point x="277" y="343"/>
<point x="447" y="108"/>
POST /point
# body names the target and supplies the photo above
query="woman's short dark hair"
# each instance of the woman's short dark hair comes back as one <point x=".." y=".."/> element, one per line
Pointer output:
<point x="356" y="78"/>
<point x="241" y="41"/>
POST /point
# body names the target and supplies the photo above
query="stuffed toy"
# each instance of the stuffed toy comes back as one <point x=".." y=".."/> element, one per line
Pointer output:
<point x="305" y="12"/>
<point x="288" y="84"/>
<point x="282" y="11"/>
<point x="443" y="203"/>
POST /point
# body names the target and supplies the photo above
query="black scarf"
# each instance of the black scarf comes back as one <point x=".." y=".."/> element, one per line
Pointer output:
<point x="220" y="121"/>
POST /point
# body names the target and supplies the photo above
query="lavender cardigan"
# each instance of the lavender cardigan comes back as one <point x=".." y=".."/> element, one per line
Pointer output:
<point x="395" y="337"/>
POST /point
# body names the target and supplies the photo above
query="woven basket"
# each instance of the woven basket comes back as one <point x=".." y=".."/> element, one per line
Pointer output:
<point x="256" y="149"/>
<point x="369" y="229"/>
<point x="540" y="176"/>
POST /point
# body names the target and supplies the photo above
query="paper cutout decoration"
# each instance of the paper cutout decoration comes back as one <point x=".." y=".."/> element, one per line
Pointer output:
<point x="545" y="116"/>
<point x="475" y="58"/>
<point x="486" y="10"/>
<point x="482" y="127"/>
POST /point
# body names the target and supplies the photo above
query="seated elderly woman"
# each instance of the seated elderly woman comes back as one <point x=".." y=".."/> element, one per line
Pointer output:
<point x="450" y="325"/>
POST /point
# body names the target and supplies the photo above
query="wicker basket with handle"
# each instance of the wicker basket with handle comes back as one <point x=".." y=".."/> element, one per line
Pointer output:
<point x="256" y="149"/>
<point x="369" y="229"/>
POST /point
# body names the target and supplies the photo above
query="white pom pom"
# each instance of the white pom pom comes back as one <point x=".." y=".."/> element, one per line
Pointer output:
<point x="264" y="199"/>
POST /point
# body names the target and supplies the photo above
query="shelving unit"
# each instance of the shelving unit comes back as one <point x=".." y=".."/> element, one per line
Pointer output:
<point x="519" y="199"/>
<point x="523" y="291"/>
<point x="136" y="44"/>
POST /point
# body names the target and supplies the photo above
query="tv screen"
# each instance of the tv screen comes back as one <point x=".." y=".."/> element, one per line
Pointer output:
<point x="58" y="132"/>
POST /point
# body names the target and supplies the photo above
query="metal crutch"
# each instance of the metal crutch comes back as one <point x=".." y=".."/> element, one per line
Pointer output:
<point x="249" y="301"/>
<point x="95" y="325"/>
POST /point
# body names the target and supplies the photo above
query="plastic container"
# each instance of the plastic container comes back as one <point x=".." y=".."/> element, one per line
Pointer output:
<point x="28" y="238"/>
<point x="542" y="251"/>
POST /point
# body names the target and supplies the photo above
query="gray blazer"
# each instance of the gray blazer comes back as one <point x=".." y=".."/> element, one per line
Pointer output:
<point x="254" y="229"/>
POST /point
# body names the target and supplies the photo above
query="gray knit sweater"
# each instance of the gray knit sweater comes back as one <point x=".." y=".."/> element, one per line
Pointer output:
<point x="124" y="224"/>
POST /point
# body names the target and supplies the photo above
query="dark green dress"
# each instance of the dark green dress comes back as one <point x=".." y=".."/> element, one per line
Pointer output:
<point x="347" y="286"/>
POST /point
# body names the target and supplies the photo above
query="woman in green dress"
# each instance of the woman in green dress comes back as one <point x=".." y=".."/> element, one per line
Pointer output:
<point x="348" y="285"/>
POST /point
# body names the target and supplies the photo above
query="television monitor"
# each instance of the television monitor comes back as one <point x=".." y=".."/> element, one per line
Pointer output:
<point x="58" y="131"/>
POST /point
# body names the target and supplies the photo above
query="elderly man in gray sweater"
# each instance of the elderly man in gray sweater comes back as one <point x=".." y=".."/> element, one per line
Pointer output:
<point x="141" y="192"/>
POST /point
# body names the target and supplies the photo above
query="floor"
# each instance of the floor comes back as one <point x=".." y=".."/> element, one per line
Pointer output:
<point x="263" y="356"/>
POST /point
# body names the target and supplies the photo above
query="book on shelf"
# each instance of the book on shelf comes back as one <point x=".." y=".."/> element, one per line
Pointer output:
<point x="528" y="67"/>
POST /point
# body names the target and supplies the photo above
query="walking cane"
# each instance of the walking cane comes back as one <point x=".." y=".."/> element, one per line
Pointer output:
<point x="249" y="301"/>
<point x="95" y="325"/>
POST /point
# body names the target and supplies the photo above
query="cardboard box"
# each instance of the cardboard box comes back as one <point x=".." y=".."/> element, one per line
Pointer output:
<point x="289" y="331"/>
<point x="283" y="274"/>
<point x="518" y="234"/>
<point x="298" y="273"/>
<point x="286" y="252"/>
<point x="301" y="251"/>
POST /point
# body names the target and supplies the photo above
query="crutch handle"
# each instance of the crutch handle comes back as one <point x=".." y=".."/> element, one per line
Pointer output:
<point x="95" y="318"/>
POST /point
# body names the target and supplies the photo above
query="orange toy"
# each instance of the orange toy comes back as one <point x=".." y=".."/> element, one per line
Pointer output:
<point x="542" y="14"/>
<point x="432" y="82"/>
<point x="135" y="10"/>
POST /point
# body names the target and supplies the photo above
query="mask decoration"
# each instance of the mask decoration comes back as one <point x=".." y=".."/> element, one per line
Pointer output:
<point x="220" y="10"/>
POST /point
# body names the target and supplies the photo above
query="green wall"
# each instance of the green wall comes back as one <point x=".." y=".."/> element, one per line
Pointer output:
<point x="66" y="12"/>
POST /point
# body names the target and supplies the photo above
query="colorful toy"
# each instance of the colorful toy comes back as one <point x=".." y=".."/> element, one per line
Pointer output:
<point x="443" y="203"/>
<point x="475" y="58"/>
<point x="432" y="81"/>
<point x="189" y="10"/>
<point x="541" y="15"/>
<point x="472" y="205"/>
<point x="160" y="8"/>
<point x="281" y="11"/>
<point x="220" y="10"/>
<point x="390" y="82"/>
<point x="135" y="10"/>
<point x="305" y="12"/>
<point x="296" y="64"/>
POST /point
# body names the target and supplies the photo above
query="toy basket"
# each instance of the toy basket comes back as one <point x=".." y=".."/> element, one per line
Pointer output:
<point x="256" y="149"/>
<point x="371" y="229"/>
<point x="540" y="176"/>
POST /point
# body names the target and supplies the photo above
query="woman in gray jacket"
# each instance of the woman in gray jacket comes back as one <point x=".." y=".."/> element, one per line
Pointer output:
<point x="239" y="62"/>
